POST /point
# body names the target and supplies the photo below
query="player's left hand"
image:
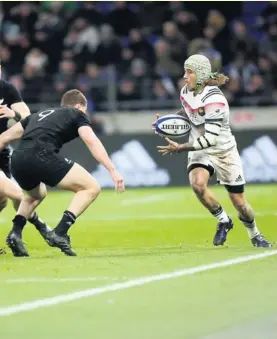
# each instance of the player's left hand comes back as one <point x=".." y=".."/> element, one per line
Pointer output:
<point x="172" y="147"/>
<point x="6" y="112"/>
<point x="118" y="181"/>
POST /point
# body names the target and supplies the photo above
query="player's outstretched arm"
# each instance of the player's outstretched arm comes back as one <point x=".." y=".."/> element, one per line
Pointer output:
<point x="99" y="152"/>
<point x="17" y="109"/>
<point x="11" y="134"/>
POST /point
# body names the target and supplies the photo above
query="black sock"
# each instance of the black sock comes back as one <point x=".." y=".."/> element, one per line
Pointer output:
<point x="218" y="211"/>
<point x="37" y="222"/>
<point x="18" y="224"/>
<point x="248" y="223"/>
<point x="66" y="222"/>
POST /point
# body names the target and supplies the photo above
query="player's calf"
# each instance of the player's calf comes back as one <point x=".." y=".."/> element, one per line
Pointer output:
<point x="86" y="191"/>
<point x="247" y="217"/>
<point x="39" y="224"/>
<point x="199" y="178"/>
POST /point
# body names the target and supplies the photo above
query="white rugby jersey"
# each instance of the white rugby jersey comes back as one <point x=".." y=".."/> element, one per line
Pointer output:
<point x="208" y="113"/>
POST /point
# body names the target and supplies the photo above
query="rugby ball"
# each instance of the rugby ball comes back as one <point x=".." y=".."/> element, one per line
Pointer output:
<point x="173" y="126"/>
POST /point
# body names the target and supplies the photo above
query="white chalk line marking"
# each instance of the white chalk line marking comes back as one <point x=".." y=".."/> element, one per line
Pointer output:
<point x="64" y="298"/>
<point x="60" y="280"/>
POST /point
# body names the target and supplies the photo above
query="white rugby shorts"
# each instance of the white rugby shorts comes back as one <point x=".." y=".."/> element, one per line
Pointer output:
<point x="227" y="165"/>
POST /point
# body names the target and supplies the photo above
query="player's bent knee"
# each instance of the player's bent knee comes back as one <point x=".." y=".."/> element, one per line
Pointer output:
<point x="198" y="185"/>
<point x="95" y="187"/>
<point x="3" y="203"/>
<point x="94" y="191"/>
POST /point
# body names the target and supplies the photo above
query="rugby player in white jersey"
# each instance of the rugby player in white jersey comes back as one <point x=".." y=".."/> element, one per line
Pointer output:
<point x="212" y="148"/>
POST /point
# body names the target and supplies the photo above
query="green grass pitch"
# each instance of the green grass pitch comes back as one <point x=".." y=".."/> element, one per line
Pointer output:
<point x="144" y="232"/>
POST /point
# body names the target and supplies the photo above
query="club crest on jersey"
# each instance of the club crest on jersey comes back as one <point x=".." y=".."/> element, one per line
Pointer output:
<point x="201" y="111"/>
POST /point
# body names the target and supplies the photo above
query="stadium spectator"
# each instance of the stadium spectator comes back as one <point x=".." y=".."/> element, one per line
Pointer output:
<point x="145" y="15"/>
<point x="109" y="49"/>
<point x="267" y="72"/>
<point x="140" y="47"/>
<point x="127" y="90"/>
<point x="36" y="59"/>
<point x="268" y="15"/>
<point x="175" y="40"/>
<point x="160" y="93"/>
<point x="24" y="15"/>
<point x="187" y="24"/>
<point x="165" y="64"/>
<point x="90" y="13"/>
<point x="241" y="40"/>
<point x="269" y="43"/>
<point x="122" y="19"/>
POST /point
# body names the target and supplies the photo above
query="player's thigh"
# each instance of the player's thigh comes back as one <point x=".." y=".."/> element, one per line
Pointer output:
<point x="9" y="188"/>
<point x="78" y="179"/>
<point x="199" y="168"/>
<point x="37" y="193"/>
<point x="24" y="170"/>
<point x="229" y="169"/>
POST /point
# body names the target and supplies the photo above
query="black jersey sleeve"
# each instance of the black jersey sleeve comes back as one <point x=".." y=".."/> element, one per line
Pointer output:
<point x="82" y="120"/>
<point x="11" y="95"/>
<point x="25" y="121"/>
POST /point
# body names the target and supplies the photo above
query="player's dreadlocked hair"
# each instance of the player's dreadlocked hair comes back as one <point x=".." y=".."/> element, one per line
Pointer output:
<point x="73" y="97"/>
<point x="216" y="79"/>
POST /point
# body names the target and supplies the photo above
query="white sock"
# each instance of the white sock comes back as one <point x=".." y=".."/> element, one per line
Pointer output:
<point x="221" y="215"/>
<point x="251" y="228"/>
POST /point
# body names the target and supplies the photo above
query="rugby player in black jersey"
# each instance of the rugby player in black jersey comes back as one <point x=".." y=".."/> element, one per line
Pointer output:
<point x="12" y="107"/>
<point x="36" y="162"/>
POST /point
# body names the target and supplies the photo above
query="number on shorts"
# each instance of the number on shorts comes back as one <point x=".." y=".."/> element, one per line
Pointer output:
<point x="45" y="114"/>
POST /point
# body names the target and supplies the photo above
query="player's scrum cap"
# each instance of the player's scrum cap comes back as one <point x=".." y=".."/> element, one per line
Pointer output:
<point x="200" y="65"/>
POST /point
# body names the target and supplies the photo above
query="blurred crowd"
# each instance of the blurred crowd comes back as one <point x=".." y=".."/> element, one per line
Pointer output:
<point x="130" y="55"/>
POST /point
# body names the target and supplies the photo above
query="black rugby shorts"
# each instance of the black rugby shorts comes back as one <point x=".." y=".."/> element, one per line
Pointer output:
<point x="30" y="167"/>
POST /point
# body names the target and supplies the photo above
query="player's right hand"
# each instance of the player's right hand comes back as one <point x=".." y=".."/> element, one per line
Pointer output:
<point x="118" y="181"/>
<point x="154" y="122"/>
<point x="6" y="112"/>
<point x="153" y="126"/>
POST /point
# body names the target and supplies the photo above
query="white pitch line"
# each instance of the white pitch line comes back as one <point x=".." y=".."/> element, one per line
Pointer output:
<point x="64" y="298"/>
<point x="60" y="280"/>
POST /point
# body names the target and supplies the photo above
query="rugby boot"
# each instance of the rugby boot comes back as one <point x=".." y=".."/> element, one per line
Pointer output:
<point x="62" y="242"/>
<point x="260" y="241"/>
<point x="15" y="243"/>
<point x="222" y="230"/>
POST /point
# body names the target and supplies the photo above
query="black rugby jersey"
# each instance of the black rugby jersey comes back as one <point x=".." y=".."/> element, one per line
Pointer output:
<point x="51" y="128"/>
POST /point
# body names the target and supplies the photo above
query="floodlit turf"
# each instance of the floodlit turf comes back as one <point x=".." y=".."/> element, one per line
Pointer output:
<point x="144" y="233"/>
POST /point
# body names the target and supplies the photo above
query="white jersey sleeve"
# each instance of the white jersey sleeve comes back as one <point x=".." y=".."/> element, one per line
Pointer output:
<point x="217" y="133"/>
